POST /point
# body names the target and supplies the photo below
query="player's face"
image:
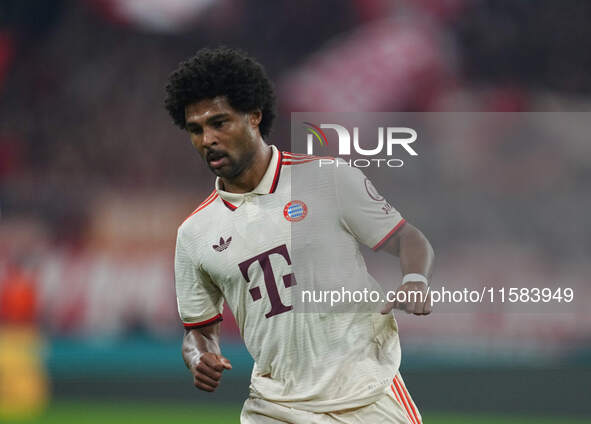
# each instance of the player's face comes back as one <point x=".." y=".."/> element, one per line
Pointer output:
<point x="226" y="138"/>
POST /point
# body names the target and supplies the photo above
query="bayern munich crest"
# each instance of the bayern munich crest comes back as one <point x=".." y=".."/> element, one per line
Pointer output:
<point x="295" y="211"/>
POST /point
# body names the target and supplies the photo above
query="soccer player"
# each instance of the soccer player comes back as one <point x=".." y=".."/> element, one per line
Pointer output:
<point x="253" y="245"/>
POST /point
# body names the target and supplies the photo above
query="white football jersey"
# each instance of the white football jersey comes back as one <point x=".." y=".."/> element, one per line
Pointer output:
<point x="298" y="230"/>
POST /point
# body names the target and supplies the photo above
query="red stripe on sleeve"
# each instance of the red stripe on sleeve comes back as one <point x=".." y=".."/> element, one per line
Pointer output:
<point x="387" y="236"/>
<point x="212" y="320"/>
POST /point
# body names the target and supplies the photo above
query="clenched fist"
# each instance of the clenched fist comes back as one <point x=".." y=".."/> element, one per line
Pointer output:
<point x="412" y="297"/>
<point x="207" y="370"/>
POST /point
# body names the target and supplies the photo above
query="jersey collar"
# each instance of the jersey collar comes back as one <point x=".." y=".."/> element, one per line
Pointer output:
<point x="267" y="185"/>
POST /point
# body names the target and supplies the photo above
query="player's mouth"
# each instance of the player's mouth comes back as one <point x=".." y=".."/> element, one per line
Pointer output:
<point x="217" y="160"/>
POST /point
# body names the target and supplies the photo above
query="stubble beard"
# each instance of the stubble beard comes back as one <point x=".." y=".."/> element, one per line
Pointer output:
<point x="235" y="168"/>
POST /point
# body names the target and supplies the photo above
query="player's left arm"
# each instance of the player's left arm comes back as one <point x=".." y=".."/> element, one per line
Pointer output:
<point x="368" y="216"/>
<point x="416" y="257"/>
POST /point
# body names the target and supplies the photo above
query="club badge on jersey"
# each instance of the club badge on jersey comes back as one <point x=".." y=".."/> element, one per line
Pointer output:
<point x="295" y="211"/>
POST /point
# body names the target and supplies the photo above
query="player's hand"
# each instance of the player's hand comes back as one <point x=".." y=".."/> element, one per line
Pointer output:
<point x="207" y="370"/>
<point x="415" y="291"/>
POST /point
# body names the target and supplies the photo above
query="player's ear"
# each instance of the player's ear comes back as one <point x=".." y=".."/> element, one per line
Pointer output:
<point x="255" y="117"/>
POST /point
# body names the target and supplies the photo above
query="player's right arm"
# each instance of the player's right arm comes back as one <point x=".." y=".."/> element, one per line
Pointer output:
<point x="202" y="355"/>
<point x="200" y="308"/>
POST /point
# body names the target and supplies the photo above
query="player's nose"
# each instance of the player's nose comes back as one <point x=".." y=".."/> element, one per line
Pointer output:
<point x="209" y="138"/>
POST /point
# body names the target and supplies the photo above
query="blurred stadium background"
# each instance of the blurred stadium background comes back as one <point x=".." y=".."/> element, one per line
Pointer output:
<point x="94" y="180"/>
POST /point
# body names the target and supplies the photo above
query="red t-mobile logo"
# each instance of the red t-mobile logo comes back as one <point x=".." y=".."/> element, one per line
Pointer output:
<point x="277" y="306"/>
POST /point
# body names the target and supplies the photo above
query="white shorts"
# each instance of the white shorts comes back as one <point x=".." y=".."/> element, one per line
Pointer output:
<point x="396" y="406"/>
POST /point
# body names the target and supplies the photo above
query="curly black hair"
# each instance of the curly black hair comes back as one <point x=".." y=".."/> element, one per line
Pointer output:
<point x="222" y="71"/>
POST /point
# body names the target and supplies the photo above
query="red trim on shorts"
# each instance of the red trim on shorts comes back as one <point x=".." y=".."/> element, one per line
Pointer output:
<point x="192" y="325"/>
<point x="408" y="398"/>
<point x="400" y="403"/>
<point x="387" y="236"/>
<point x="404" y="401"/>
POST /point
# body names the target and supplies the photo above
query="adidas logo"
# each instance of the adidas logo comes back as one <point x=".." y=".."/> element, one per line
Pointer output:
<point x="223" y="244"/>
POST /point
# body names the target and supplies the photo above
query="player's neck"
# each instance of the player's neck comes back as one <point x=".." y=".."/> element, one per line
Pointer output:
<point x="252" y="175"/>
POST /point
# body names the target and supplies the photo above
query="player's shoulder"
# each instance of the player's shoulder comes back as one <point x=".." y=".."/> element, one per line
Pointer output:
<point x="201" y="215"/>
<point x="320" y="164"/>
<point x="299" y="162"/>
<point x="293" y="159"/>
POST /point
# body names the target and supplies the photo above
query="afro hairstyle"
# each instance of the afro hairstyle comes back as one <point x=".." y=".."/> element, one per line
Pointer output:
<point x="222" y="71"/>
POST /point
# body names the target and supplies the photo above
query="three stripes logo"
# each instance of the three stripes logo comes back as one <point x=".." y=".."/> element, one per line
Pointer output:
<point x="223" y="244"/>
<point x="295" y="211"/>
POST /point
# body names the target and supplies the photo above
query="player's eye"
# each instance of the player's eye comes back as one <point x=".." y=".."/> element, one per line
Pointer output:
<point x="218" y="124"/>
